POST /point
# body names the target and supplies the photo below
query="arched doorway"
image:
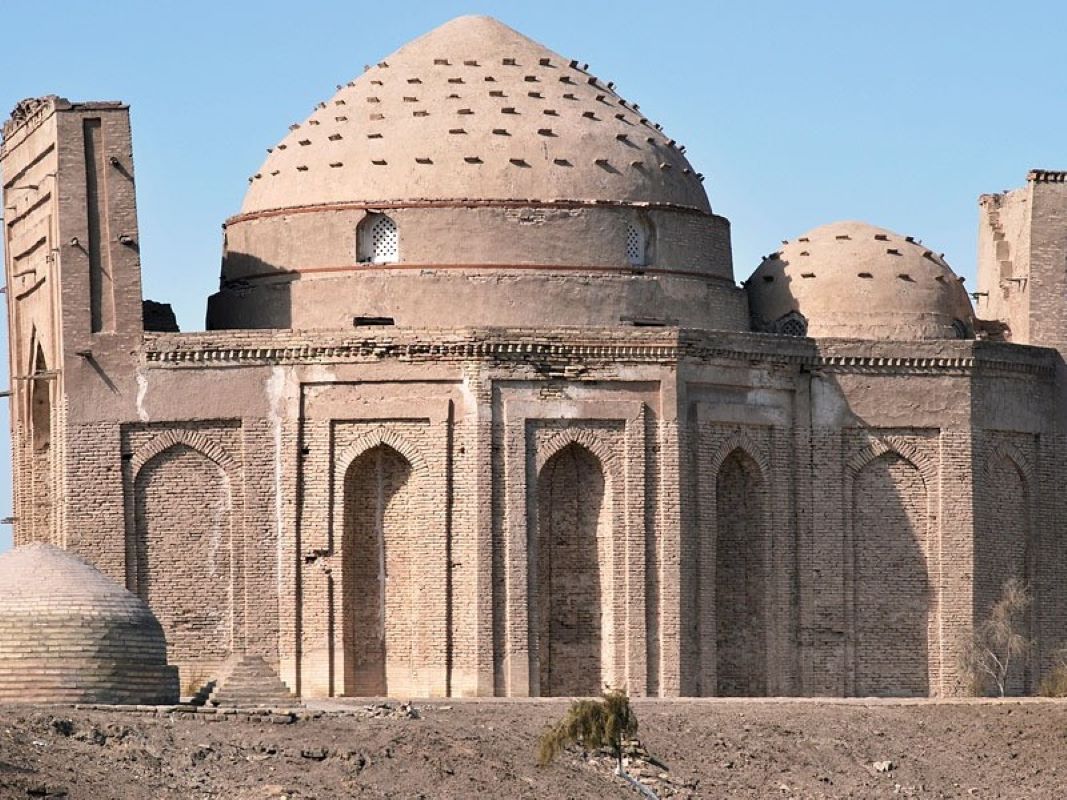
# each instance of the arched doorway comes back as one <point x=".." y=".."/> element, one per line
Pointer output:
<point x="573" y="553"/>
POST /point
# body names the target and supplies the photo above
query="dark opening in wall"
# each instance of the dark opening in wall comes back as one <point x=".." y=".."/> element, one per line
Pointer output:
<point x="361" y="322"/>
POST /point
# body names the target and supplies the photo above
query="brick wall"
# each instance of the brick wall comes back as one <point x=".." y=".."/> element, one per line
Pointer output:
<point x="380" y="548"/>
<point x="183" y="551"/>
<point x="893" y="595"/>
<point x="574" y="560"/>
<point x="740" y="579"/>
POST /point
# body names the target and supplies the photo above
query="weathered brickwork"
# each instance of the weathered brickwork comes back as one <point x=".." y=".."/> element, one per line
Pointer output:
<point x="519" y="459"/>
<point x="574" y="560"/>
<point x="183" y="553"/>
<point x="739" y="578"/>
<point x="893" y="600"/>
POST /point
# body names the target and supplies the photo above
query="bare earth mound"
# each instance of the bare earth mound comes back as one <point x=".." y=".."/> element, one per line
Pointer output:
<point x="713" y="749"/>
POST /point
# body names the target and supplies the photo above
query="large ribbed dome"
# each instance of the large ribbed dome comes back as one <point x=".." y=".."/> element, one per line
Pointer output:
<point x="475" y="110"/>
<point x="853" y="280"/>
<point x="70" y="634"/>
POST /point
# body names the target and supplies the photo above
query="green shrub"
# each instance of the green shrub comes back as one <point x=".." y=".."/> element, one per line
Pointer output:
<point x="594" y="724"/>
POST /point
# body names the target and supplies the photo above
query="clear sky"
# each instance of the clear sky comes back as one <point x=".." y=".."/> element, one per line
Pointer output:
<point x="897" y="113"/>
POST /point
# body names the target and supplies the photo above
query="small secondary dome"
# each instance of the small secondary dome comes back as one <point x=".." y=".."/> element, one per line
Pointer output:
<point x="69" y="634"/>
<point x="853" y="280"/>
<point x="475" y="110"/>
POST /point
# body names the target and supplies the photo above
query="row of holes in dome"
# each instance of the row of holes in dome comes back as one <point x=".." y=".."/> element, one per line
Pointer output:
<point x="455" y="80"/>
<point x="603" y="163"/>
<point x="891" y="251"/>
<point x="623" y="138"/>
<point x="879" y="237"/>
<point x="377" y="241"/>
<point x="904" y="276"/>
<point x="509" y="111"/>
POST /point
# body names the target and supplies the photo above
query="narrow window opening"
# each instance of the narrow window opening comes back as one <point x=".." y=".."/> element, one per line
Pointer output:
<point x="637" y="244"/>
<point x="376" y="239"/>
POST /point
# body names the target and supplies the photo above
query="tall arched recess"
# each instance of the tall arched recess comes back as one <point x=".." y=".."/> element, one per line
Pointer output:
<point x="734" y="577"/>
<point x="572" y="558"/>
<point x="380" y="574"/>
<point x="1002" y="548"/>
<point x="41" y="455"/>
<point x="183" y="520"/>
<point x="891" y="593"/>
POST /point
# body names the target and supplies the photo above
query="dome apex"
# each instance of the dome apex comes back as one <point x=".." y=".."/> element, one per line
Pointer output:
<point x="475" y="110"/>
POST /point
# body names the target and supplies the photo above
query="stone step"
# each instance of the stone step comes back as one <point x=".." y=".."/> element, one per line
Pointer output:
<point x="247" y="680"/>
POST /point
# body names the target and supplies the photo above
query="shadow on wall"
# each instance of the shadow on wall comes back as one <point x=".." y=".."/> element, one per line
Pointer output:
<point x="265" y="302"/>
<point x="1009" y="505"/>
<point x="870" y="588"/>
<point x="891" y="620"/>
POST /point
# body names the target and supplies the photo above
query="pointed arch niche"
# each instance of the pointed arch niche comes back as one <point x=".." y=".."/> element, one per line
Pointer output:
<point x="41" y="455"/>
<point x="892" y="609"/>
<point x="180" y="556"/>
<point x="1003" y="544"/>
<point x="380" y="573"/>
<point x="728" y="596"/>
<point x="571" y="565"/>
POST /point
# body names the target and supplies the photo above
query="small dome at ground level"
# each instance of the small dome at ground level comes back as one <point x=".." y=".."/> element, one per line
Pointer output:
<point x="69" y="634"/>
<point x="853" y="280"/>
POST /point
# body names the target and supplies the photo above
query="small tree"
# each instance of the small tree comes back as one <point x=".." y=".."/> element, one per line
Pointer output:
<point x="594" y="724"/>
<point x="1000" y="640"/>
<point x="1054" y="682"/>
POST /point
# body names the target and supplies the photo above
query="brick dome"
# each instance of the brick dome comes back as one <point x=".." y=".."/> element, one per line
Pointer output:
<point x="853" y="280"/>
<point x="475" y="110"/>
<point x="70" y="634"/>
<point x="469" y="171"/>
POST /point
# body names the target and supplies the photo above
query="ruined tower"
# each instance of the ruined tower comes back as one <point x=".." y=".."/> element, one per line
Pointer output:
<point x="1022" y="260"/>
<point x="73" y="279"/>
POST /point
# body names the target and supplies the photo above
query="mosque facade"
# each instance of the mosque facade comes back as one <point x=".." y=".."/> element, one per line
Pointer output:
<point x="481" y="410"/>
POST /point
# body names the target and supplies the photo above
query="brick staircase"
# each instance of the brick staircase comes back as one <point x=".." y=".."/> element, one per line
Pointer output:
<point x="247" y="680"/>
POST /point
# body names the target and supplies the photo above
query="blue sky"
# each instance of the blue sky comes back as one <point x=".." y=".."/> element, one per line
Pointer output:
<point x="897" y="113"/>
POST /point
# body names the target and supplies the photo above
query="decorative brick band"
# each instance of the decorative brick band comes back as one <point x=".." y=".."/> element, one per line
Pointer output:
<point x="899" y="446"/>
<point x="191" y="439"/>
<point x="584" y="438"/>
<point x="669" y="347"/>
<point x="375" y="438"/>
<point x="1046" y="176"/>
<point x="459" y="202"/>
<point x="296" y="273"/>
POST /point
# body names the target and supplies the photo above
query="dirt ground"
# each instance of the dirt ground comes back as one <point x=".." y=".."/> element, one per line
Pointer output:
<point x="486" y="749"/>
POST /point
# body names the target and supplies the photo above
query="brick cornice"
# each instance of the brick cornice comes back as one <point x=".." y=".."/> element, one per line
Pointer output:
<point x="554" y="351"/>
